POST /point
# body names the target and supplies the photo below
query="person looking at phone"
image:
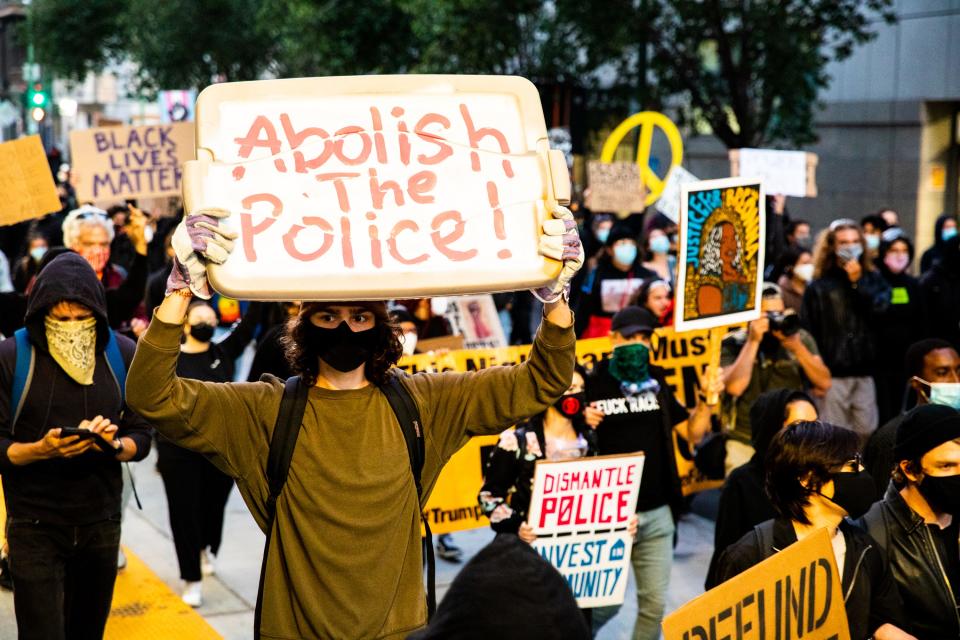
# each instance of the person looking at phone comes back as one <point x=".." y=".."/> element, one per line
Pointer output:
<point x="842" y="309"/>
<point x="62" y="492"/>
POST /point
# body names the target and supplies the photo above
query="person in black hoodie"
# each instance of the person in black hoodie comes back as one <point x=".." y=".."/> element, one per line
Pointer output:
<point x="903" y="323"/>
<point x="197" y="491"/>
<point x="815" y="480"/>
<point x="842" y="309"/>
<point x="944" y="229"/>
<point x="743" y="502"/>
<point x="507" y="591"/>
<point x="941" y="294"/>
<point x="63" y="494"/>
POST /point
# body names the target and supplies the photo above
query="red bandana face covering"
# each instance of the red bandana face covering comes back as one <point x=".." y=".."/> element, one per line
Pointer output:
<point x="570" y="405"/>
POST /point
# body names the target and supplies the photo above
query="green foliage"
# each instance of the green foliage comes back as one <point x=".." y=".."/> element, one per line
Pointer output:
<point x="751" y="69"/>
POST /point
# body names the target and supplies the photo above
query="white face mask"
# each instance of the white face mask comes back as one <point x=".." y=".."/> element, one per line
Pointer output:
<point x="409" y="343"/>
<point x="804" y="271"/>
<point x="439" y="306"/>
<point x="945" y="393"/>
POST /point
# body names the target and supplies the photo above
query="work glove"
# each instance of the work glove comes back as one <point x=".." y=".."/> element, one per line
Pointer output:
<point x="560" y="241"/>
<point x="196" y="239"/>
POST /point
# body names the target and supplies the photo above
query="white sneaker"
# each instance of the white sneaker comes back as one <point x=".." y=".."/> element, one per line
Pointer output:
<point x="206" y="563"/>
<point x="193" y="594"/>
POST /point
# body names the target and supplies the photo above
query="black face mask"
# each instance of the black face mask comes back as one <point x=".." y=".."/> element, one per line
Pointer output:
<point x="342" y="348"/>
<point x="202" y="331"/>
<point x="853" y="491"/>
<point x="942" y="493"/>
<point x="570" y="405"/>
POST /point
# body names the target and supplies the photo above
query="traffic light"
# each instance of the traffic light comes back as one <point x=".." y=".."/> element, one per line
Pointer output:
<point x="38" y="101"/>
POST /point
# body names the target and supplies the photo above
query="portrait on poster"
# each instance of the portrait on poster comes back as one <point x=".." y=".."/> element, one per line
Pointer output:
<point x="721" y="253"/>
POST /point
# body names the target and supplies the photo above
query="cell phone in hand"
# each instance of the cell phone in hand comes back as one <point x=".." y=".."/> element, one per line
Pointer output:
<point x="86" y="434"/>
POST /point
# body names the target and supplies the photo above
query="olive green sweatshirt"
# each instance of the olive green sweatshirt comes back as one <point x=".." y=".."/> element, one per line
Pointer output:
<point x="345" y="556"/>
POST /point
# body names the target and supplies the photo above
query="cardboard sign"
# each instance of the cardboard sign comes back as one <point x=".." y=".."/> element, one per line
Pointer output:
<point x="589" y="502"/>
<point x="117" y="163"/>
<point x="615" y="187"/>
<point x="720" y="264"/>
<point x="27" y="189"/>
<point x="476" y="319"/>
<point x="788" y="173"/>
<point x="794" y="593"/>
<point x="374" y="187"/>
<point x="669" y="202"/>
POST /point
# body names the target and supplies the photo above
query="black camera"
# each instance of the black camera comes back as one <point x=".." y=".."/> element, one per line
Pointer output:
<point x="786" y="323"/>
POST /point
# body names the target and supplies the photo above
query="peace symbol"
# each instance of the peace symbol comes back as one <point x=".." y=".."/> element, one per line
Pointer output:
<point x="647" y="121"/>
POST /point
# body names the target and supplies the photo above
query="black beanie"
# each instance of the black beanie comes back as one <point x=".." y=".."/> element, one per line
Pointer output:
<point x="924" y="428"/>
<point x="507" y="591"/>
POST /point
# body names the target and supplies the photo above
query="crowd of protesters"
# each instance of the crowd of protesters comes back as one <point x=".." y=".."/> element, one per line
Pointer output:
<point x="837" y="408"/>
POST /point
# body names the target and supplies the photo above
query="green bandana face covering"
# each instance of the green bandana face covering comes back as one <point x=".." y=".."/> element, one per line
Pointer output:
<point x="631" y="363"/>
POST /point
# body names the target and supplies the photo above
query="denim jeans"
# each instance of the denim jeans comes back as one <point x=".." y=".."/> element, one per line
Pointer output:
<point x="63" y="578"/>
<point x="651" y="557"/>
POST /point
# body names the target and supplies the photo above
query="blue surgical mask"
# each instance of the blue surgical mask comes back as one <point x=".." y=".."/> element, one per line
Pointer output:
<point x="947" y="233"/>
<point x="603" y="234"/>
<point x="873" y="242"/>
<point x="850" y="252"/>
<point x="660" y="244"/>
<point x="37" y="253"/>
<point x="945" y="393"/>
<point x="625" y="253"/>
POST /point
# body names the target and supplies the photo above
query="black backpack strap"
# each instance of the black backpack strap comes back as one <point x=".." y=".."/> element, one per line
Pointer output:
<point x="282" y="443"/>
<point x="764" y="533"/>
<point x="409" y="418"/>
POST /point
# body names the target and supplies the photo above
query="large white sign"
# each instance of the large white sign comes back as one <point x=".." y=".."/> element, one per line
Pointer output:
<point x="788" y="173"/>
<point x="669" y="202"/>
<point x="377" y="186"/>
<point x="589" y="503"/>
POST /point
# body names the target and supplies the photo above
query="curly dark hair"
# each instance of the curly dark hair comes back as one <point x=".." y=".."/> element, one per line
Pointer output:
<point x="307" y="365"/>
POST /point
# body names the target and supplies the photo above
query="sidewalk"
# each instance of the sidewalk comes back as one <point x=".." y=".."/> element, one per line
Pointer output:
<point x="230" y="595"/>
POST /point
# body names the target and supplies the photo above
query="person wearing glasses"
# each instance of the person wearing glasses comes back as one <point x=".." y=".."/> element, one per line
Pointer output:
<point x="842" y="309"/>
<point x="89" y="231"/>
<point x="815" y="480"/>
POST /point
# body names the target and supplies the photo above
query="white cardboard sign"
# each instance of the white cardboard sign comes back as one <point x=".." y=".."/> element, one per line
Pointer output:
<point x="788" y="173"/>
<point x="377" y="187"/>
<point x="590" y="503"/>
<point x="669" y="202"/>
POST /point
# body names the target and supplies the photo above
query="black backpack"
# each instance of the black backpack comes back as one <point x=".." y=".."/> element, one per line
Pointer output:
<point x="284" y="441"/>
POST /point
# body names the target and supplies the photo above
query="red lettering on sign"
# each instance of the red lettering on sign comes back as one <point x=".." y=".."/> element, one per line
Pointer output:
<point x="248" y="230"/>
<point x="443" y="242"/>
<point x="623" y="498"/>
<point x="444" y="150"/>
<point x="549" y="507"/>
<point x="421" y="183"/>
<point x="403" y="225"/>
<point x="289" y="239"/>
<point x="475" y="135"/>
<point x="364" y="145"/>
<point x="342" y="199"/>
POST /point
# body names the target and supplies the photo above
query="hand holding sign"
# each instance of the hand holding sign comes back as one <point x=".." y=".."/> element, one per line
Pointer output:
<point x="560" y="241"/>
<point x="197" y="235"/>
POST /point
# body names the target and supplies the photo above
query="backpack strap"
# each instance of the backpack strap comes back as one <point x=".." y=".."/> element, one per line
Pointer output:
<point x="409" y="418"/>
<point x="282" y="443"/>
<point x="22" y="374"/>
<point x="116" y="364"/>
<point x="764" y="533"/>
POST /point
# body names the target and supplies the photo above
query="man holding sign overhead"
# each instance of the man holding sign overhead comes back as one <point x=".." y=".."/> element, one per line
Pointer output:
<point x="345" y="558"/>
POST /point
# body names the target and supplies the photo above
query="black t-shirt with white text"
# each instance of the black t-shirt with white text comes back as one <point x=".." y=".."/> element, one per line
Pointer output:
<point x="636" y="424"/>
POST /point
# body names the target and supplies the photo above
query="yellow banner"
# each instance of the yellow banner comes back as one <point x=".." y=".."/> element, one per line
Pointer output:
<point x="453" y="504"/>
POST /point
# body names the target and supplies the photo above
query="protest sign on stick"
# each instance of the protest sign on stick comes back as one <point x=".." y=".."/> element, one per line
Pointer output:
<point x="788" y="173"/>
<point x="615" y="187"/>
<point x="117" y="163"/>
<point x="27" y="189"/>
<point x="375" y="187"/>
<point x="589" y="502"/>
<point x="721" y="254"/>
<point x="794" y="593"/>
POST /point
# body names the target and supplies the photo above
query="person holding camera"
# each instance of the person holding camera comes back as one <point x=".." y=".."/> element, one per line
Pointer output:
<point x="773" y="352"/>
<point x="842" y="309"/>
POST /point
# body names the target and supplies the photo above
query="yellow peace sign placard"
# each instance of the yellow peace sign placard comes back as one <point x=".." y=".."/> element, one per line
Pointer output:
<point x="647" y="121"/>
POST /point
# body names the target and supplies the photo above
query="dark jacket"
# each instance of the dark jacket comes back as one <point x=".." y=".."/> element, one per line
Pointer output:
<point x="591" y="298"/>
<point x="915" y="565"/>
<point x="933" y="254"/>
<point x="843" y="319"/>
<point x="869" y="592"/>
<point x="941" y="294"/>
<point x="79" y="490"/>
<point x="878" y="458"/>
<point x="508" y="474"/>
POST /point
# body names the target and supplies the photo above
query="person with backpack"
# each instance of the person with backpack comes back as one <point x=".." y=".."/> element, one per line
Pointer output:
<point x="66" y="369"/>
<point x="336" y="464"/>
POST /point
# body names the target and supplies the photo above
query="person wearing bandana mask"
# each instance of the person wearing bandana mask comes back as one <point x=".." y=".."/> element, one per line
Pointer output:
<point x="63" y="494"/>
<point x="197" y="491"/>
<point x="633" y="409"/>
<point x="345" y="558"/>
<point x="918" y="525"/>
<point x="815" y="481"/>
<point x="761" y="358"/>
<point x="843" y="309"/>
